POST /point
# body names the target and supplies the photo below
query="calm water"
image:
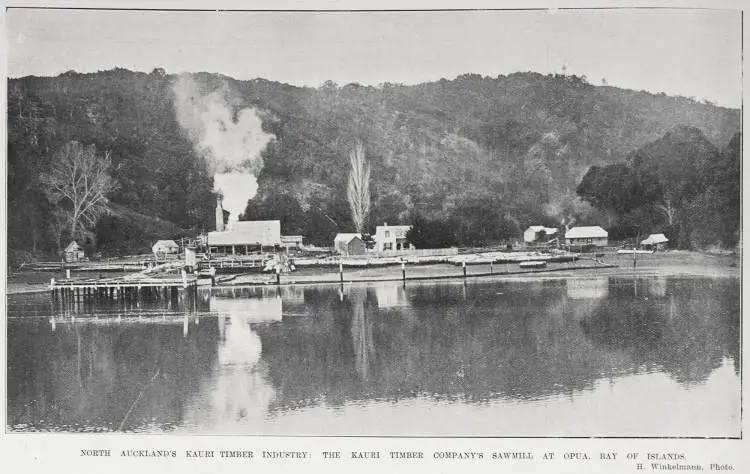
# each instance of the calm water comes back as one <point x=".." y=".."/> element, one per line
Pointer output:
<point x="587" y="357"/>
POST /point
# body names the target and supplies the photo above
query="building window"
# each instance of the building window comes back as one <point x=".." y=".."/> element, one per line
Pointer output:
<point x="387" y="233"/>
<point x="388" y="246"/>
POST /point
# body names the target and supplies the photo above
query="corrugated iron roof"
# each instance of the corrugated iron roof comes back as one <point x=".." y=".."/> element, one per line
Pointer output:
<point x="346" y="237"/>
<point x="166" y="243"/>
<point x="399" y="231"/>
<point x="655" y="239"/>
<point x="586" y="232"/>
<point x="248" y="233"/>
<point x="539" y="228"/>
<point x="72" y="246"/>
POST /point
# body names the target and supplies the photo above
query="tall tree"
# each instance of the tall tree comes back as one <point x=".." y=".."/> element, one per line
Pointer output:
<point x="358" y="192"/>
<point x="77" y="187"/>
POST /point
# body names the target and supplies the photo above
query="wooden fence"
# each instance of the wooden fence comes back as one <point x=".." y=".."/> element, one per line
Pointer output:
<point x="449" y="252"/>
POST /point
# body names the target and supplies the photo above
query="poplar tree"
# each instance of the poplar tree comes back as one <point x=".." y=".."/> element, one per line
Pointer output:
<point x="358" y="192"/>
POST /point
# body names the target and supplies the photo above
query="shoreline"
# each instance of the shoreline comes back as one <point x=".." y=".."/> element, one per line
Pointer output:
<point x="660" y="264"/>
<point x="676" y="263"/>
<point x="289" y="281"/>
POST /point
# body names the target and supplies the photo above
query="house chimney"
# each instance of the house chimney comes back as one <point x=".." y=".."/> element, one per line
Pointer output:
<point x="219" y="215"/>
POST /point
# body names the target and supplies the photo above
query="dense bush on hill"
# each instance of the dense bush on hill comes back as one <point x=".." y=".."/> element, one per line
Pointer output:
<point x="490" y="156"/>
<point x="681" y="185"/>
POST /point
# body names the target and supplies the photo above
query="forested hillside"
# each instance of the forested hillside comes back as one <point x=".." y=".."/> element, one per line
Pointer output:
<point x="485" y="156"/>
<point x="681" y="185"/>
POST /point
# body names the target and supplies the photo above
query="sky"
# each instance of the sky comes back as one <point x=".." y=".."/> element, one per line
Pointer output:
<point x="694" y="53"/>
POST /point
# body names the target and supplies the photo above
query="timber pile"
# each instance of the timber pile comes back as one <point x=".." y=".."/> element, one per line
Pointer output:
<point x="514" y="257"/>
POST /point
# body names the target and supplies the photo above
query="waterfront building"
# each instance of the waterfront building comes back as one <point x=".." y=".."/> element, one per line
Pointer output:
<point x="165" y="246"/>
<point x="292" y="241"/>
<point x="349" y="244"/>
<point x="655" y="241"/>
<point x="244" y="237"/>
<point x="391" y="237"/>
<point x="587" y="235"/>
<point x="73" y="252"/>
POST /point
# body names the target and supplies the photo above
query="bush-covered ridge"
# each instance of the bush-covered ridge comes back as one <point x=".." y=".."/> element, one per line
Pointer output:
<point x="489" y="155"/>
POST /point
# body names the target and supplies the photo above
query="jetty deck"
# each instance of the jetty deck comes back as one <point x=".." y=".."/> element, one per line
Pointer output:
<point x="128" y="287"/>
<point x="129" y="266"/>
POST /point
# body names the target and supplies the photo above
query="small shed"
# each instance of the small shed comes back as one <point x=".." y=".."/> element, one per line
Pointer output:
<point x="291" y="241"/>
<point x="165" y="246"/>
<point x="656" y="241"/>
<point x="73" y="252"/>
<point x="349" y="244"/>
<point x="587" y="235"/>
<point x="538" y="233"/>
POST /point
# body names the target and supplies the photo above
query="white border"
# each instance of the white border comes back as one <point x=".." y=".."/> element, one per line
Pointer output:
<point x="51" y="453"/>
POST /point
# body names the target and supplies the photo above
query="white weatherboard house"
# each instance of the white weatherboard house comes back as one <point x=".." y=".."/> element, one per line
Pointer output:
<point x="165" y="246"/>
<point x="534" y="234"/>
<point x="587" y="235"/>
<point x="391" y="237"/>
<point x="244" y="237"/>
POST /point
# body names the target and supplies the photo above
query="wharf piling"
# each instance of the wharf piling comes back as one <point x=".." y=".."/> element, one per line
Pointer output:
<point x="126" y="290"/>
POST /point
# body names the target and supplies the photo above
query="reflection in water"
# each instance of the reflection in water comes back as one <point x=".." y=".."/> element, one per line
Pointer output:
<point x="237" y="395"/>
<point x="263" y="307"/>
<point x="588" y="288"/>
<point x="361" y="329"/>
<point x="688" y="347"/>
<point x="87" y="376"/>
<point x="391" y="295"/>
<point x="657" y="286"/>
<point x="433" y="358"/>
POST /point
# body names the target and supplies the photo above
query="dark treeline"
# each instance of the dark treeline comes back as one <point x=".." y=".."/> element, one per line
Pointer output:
<point x="484" y="157"/>
<point x="162" y="186"/>
<point x="681" y="185"/>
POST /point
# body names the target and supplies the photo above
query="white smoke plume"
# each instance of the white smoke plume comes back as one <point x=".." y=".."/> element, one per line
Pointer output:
<point x="230" y="140"/>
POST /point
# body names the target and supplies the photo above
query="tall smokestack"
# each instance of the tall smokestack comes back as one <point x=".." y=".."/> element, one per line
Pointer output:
<point x="219" y="215"/>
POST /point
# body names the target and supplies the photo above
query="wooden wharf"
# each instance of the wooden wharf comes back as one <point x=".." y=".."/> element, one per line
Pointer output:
<point x="129" y="266"/>
<point x="125" y="288"/>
